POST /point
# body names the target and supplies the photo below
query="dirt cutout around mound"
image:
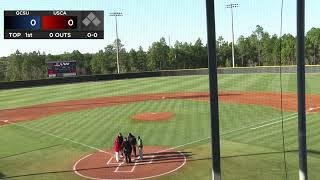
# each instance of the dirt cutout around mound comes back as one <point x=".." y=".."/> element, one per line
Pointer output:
<point x="154" y="116"/>
<point x="252" y="98"/>
<point x="157" y="162"/>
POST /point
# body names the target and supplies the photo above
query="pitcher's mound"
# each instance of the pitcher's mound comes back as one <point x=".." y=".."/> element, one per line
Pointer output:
<point x="154" y="116"/>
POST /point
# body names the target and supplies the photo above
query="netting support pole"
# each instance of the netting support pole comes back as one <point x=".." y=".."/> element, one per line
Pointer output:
<point x="213" y="85"/>
<point x="303" y="171"/>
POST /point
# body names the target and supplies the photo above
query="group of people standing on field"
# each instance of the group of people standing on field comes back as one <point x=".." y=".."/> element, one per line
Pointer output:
<point x="126" y="145"/>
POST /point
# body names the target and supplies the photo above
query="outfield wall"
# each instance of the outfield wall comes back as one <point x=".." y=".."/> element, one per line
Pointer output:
<point x="184" y="72"/>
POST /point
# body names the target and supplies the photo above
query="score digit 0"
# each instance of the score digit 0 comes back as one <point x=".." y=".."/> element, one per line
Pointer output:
<point x="70" y="22"/>
<point x="90" y="35"/>
<point x="33" y="22"/>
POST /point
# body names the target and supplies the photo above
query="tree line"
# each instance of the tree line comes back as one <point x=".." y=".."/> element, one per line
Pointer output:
<point x="258" y="49"/>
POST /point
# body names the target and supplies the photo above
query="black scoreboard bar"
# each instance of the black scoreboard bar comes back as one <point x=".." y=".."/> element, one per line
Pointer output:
<point x="53" y="24"/>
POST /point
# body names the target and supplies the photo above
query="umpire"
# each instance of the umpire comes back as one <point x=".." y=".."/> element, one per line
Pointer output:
<point x="133" y="141"/>
<point x="127" y="150"/>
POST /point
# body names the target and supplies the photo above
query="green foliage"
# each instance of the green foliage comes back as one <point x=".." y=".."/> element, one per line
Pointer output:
<point x="3" y="68"/>
<point x="288" y="51"/>
<point x="104" y="61"/>
<point x="258" y="49"/>
<point x="158" y="55"/>
<point x="313" y="46"/>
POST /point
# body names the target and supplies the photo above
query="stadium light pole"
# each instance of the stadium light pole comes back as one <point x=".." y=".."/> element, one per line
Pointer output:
<point x="303" y="170"/>
<point x="116" y="14"/>
<point x="231" y="6"/>
<point x="314" y="52"/>
<point x="213" y="85"/>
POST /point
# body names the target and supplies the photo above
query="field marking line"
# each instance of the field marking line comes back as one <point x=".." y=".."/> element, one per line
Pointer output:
<point x="147" y="177"/>
<point x="192" y="142"/>
<point x="143" y="163"/>
<point x="117" y="169"/>
<point x="59" y="137"/>
<point x="119" y="164"/>
<point x="109" y="162"/>
<point x="255" y="125"/>
<point x="228" y="132"/>
<point x="258" y="127"/>
<point x="149" y="162"/>
<point x="294" y="115"/>
<point x="313" y="108"/>
<point x="286" y="119"/>
<point x="235" y="130"/>
<point x="136" y="163"/>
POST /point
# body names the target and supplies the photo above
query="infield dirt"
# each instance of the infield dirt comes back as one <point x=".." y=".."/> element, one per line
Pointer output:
<point x="253" y="98"/>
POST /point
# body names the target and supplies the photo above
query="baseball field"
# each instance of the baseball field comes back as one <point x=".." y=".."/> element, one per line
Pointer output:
<point x="67" y="131"/>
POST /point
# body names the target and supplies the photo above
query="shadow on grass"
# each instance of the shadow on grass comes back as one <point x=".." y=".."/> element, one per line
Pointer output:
<point x="314" y="151"/>
<point x="21" y="153"/>
<point x="166" y="156"/>
<point x="269" y="153"/>
<point x="2" y="176"/>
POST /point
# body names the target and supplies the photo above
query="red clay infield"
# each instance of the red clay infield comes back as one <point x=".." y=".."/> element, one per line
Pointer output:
<point x="154" y="116"/>
<point x="157" y="162"/>
<point x="253" y="98"/>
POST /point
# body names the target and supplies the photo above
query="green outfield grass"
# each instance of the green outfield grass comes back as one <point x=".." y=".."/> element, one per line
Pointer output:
<point x="251" y="136"/>
<point x="236" y="82"/>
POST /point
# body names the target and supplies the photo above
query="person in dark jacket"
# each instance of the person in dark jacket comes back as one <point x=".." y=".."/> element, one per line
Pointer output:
<point x="120" y="137"/>
<point x="133" y="141"/>
<point x="127" y="150"/>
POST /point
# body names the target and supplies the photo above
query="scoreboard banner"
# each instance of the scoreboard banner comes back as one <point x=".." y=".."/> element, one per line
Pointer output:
<point x="62" y="69"/>
<point x="53" y="24"/>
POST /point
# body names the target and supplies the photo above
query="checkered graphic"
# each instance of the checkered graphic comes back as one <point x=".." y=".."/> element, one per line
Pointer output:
<point x="91" y="18"/>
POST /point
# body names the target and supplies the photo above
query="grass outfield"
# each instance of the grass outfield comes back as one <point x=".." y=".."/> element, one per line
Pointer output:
<point x="237" y="82"/>
<point x="247" y="153"/>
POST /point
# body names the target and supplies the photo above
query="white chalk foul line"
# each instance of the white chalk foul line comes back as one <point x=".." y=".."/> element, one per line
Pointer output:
<point x="276" y="122"/>
<point x="253" y="126"/>
<point x="228" y="132"/>
<point x="59" y="137"/>
<point x="192" y="142"/>
<point x="286" y="119"/>
<point x="313" y="108"/>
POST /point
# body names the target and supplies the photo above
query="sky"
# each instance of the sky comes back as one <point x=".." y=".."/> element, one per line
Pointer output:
<point x="146" y="21"/>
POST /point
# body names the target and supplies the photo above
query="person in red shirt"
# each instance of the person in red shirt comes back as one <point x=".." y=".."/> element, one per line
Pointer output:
<point x="117" y="148"/>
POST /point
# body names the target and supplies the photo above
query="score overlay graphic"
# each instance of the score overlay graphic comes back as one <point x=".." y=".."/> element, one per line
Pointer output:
<point x="53" y="24"/>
